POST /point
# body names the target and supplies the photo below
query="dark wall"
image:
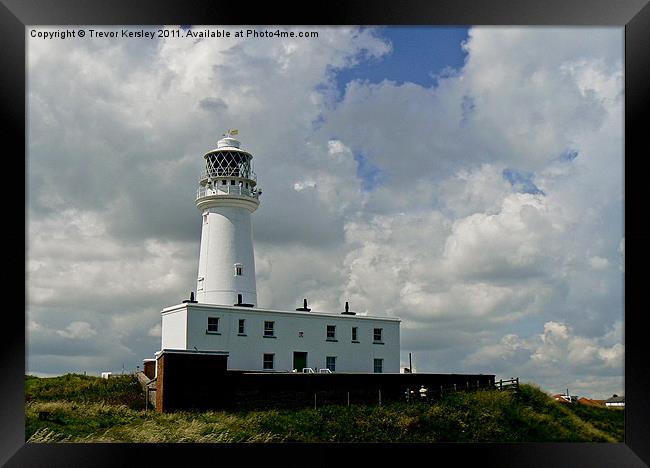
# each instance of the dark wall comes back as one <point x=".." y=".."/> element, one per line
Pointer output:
<point x="256" y="390"/>
<point x="199" y="382"/>
<point x="149" y="369"/>
<point x="190" y="382"/>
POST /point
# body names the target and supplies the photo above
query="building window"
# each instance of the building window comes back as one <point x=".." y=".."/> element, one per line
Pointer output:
<point x="224" y="182"/>
<point x="239" y="269"/>
<point x="268" y="361"/>
<point x="213" y="324"/>
<point x="268" y="329"/>
<point x="205" y="218"/>
<point x="199" y="286"/>
<point x="376" y="335"/>
<point x="379" y="366"/>
<point x="331" y="332"/>
<point x="330" y="363"/>
<point x="354" y="334"/>
<point x="242" y="327"/>
<point x="232" y="182"/>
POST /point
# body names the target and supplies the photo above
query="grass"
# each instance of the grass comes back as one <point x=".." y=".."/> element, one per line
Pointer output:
<point x="75" y="408"/>
<point x="124" y="390"/>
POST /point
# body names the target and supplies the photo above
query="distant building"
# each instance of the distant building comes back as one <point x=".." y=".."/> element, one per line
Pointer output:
<point x="565" y="398"/>
<point x="615" y="401"/>
<point x="225" y="317"/>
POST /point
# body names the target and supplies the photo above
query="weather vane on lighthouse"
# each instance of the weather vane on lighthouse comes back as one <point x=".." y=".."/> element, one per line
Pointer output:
<point x="226" y="197"/>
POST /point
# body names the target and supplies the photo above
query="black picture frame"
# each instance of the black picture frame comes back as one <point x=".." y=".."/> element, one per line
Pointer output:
<point x="633" y="15"/>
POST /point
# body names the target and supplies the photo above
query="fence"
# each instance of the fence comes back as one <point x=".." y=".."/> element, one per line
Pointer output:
<point x="428" y="394"/>
<point x="510" y="384"/>
<point x="198" y="382"/>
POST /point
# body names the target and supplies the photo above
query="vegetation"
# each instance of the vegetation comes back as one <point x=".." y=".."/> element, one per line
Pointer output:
<point x="75" y="408"/>
<point x="121" y="390"/>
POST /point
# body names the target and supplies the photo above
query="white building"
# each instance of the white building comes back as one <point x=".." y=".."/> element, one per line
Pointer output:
<point x="615" y="401"/>
<point x="225" y="317"/>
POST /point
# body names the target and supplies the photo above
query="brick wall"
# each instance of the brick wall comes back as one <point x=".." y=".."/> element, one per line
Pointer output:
<point x="198" y="382"/>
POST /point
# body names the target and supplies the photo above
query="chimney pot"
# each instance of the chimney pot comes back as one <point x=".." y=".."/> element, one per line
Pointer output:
<point x="304" y="306"/>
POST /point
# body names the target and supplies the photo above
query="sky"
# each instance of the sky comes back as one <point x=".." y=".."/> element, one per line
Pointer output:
<point x="466" y="180"/>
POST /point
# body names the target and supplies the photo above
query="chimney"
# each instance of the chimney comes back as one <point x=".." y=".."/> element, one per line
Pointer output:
<point x="240" y="298"/>
<point x="347" y="310"/>
<point x="191" y="299"/>
<point x="304" y="306"/>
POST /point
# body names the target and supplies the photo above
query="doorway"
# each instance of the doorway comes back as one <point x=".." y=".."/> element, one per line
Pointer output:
<point x="299" y="360"/>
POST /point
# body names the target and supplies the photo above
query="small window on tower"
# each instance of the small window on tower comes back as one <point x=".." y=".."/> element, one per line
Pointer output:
<point x="239" y="269"/>
<point x="205" y="218"/>
<point x="224" y="182"/>
<point x="232" y="182"/>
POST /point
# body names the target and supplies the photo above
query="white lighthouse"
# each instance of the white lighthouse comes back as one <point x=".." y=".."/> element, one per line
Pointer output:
<point x="225" y="317"/>
<point x="226" y="197"/>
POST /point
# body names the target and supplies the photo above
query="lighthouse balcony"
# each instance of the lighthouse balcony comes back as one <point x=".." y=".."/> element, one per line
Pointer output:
<point x="227" y="190"/>
<point x="229" y="172"/>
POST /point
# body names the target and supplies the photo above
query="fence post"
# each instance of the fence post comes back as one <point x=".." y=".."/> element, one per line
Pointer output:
<point x="380" y="397"/>
<point x="467" y="382"/>
<point x="348" y="398"/>
<point x="500" y="384"/>
<point x="314" y="400"/>
<point x="454" y="387"/>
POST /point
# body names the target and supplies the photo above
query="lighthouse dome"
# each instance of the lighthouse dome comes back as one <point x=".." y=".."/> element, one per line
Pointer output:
<point x="228" y="142"/>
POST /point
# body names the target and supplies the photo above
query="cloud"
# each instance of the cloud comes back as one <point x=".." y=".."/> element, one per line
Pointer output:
<point x="213" y="104"/>
<point x="598" y="263"/>
<point x="78" y="330"/>
<point x="155" y="331"/>
<point x="485" y="211"/>
<point x="557" y="350"/>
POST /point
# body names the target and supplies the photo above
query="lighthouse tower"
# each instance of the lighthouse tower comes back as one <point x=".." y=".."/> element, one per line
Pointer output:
<point x="226" y="197"/>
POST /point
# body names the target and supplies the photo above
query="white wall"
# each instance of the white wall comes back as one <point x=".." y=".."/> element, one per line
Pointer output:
<point x="174" y="328"/>
<point x="226" y="239"/>
<point x="246" y="352"/>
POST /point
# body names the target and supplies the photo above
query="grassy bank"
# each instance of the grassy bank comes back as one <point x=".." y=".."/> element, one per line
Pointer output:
<point x="88" y="409"/>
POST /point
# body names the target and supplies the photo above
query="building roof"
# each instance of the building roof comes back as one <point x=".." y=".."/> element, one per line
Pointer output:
<point x="589" y="401"/>
<point x="561" y="397"/>
<point x="616" y="399"/>
<point x="190" y="351"/>
<point x="289" y="312"/>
